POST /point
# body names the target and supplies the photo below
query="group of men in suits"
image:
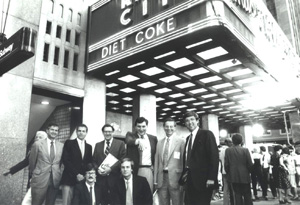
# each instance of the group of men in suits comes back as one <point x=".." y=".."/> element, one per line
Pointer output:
<point x="146" y="164"/>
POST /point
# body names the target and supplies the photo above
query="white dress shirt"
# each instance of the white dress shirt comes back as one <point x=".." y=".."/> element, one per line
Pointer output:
<point x="49" y="145"/>
<point x="81" y="144"/>
<point x="145" y="154"/>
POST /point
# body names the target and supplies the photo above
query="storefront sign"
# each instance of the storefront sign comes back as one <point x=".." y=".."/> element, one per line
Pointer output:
<point x="134" y="23"/>
<point x="17" y="49"/>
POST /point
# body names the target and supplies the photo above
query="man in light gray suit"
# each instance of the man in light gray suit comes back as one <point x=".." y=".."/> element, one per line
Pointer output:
<point x="168" y="165"/>
<point x="45" y="167"/>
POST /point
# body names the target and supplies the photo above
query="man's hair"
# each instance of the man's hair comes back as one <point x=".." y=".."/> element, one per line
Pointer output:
<point x="228" y="140"/>
<point x="90" y="166"/>
<point x="262" y="148"/>
<point x="82" y="125"/>
<point x="108" y="125"/>
<point x="190" y="114"/>
<point x="277" y="148"/>
<point x="169" y="119"/>
<point x="237" y="139"/>
<point x="140" y="120"/>
<point x="128" y="160"/>
<point x="285" y="150"/>
<point x="52" y="124"/>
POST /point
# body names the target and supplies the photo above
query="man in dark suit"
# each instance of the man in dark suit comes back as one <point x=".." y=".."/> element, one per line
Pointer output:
<point x="108" y="175"/>
<point x="76" y="155"/>
<point x="131" y="189"/>
<point x="87" y="192"/>
<point x="45" y="167"/>
<point x="238" y="164"/>
<point x="201" y="158"/>
<point x="141" y="148"/>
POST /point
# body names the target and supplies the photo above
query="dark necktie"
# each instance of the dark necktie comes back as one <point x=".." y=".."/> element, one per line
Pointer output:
<point x="91" y="195"/>
<point x="189" y="150"/>
<point x="52" y="153"/>
<point x="107" y="148"/>
<point x="166" y="153"/>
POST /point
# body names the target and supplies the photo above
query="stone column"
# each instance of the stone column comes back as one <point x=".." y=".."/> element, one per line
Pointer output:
<point x="210" y="122"/>
<point x="295" y="126"/>
<point x="246" y="131"/>
<point x="144" y="105"/>
<point x="94" y="108"/>
<point x="15" y="92"/>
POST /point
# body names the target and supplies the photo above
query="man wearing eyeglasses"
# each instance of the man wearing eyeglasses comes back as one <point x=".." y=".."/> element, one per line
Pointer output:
<point x="107" y="175"/>
<point x="88" y="192"/>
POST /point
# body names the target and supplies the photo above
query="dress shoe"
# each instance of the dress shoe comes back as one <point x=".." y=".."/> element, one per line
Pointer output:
<point x="281" y="202"/>
<point x="287" y="201"/>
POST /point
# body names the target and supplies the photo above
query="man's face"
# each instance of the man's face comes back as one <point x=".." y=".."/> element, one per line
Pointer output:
<point x="126" y="169"/>
<point x="169" y="128"/>
<point x="191" y="123"/>
<point x="141" y="128"/>
<point x="81" y="133"/>
<point x="52" y="132"/>
<point x="90" y="176"/>
<point x="108" y="133"/>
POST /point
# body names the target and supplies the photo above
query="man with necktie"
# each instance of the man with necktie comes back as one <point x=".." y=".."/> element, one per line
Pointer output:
<point x="131" y="189"/>
<point x="76" y="155"/>
<point x="106" y="176"/>
<point x="141" y="148"/>
<point x="168" y="165"/>
<point x="45" y="167"/>
<point x="201" y="158"/>
<point x="87" y="192"/>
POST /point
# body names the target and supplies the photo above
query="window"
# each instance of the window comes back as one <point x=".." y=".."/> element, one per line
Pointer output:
<point x="66" y="59"/>
<point x="58" y="31"/>
<point x="61" y="11"/>
<point x="68" y="35"/>
<point x="50" y="6"/>
<point x="46" y="52"/>
<point x="48" y="27"/>
<point x="56" y="56"/>
<point x="78" y="19"/>
<point x="75" y="62"/>
<point x="77" y="39"/>
<point x="70" y="13"/>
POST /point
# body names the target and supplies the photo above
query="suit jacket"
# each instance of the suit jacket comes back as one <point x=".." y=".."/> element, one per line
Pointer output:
<point x="141" y="193"/>
<point x="40" y="165"/>
<point x="133" y="150"/>
<point x="82" y="194"/>
<point x="73" y="161"/>
<point x="175" y="161"/>
<point x="204" y="160"/>
<point x="238" y="164"/>
<point x="117" y="149"/>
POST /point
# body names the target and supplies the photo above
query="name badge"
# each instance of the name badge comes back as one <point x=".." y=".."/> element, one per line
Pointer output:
<point x="176" y="155"/>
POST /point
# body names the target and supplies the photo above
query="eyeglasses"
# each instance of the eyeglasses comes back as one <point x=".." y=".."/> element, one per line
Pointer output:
<point x="108" y="132"/>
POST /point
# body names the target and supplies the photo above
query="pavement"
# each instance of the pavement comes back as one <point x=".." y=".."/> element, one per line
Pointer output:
<point x="260" y="201"/>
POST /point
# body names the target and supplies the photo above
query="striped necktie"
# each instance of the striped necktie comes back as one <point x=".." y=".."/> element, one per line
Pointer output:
<point x="107" y="147"/>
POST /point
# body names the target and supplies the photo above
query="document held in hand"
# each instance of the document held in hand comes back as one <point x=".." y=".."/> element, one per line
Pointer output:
<point x="109" y="161"/>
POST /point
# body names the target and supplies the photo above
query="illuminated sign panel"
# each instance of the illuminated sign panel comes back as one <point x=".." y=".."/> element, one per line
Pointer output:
<point x="17" y="49"/>
<point x="114" y="33"/>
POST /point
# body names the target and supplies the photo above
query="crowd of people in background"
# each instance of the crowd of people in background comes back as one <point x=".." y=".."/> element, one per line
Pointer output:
<point x="175" y="169"/>
<point x="274" y="170"/>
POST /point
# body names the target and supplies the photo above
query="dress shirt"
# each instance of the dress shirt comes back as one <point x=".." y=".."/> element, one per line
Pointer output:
<point x="194" y="133"/>
<point x="266" y="158"/>
<point x="145" y="157"/>
<point x="81" y="144"/>
<point x="105" y="144"/>
<point x="49" y="145"/>
<point x="93" y="193"/>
